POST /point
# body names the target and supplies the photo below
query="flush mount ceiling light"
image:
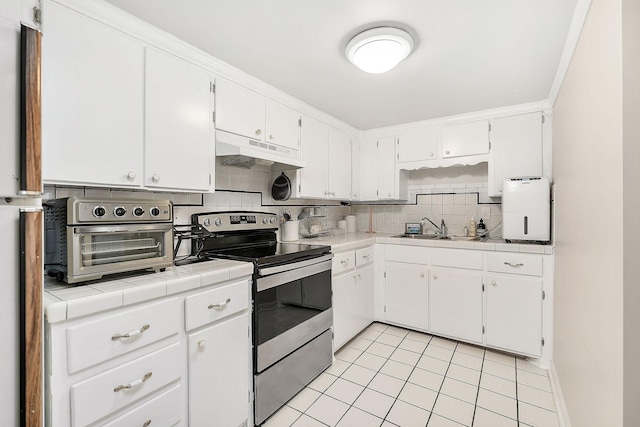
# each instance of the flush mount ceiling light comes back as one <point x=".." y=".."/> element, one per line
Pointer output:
<point x="379" y="50"/>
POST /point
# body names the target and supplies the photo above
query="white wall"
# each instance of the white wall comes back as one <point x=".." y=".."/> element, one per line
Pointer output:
<point x="588" y="175"/>
<point x="9" y="134"/>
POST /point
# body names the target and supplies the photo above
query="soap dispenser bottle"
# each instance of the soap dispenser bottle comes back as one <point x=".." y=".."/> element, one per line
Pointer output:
<point x="472" y="228"/>
<point x="482" y="228"/>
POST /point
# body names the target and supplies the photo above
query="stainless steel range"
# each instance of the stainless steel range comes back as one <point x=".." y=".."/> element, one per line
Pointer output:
<point x="292" y="313"/>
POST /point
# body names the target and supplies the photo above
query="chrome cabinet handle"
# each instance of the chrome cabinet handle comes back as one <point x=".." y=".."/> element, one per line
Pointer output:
<point x="446" y="152"/>
<point x="131" y="176"/>
<point x="431" y="154"/>
<point x="222" y="304"/>
<point x="146" y="423"/>
<point x="258" y="132"/>
<point x="365" y="256"/>
<point x="435" y="276"/>
<point x="493" y="282"/>
<point x="513" y="265"/>
<point x="133" y="384"/>
<point x="422" y="274"/>
<point x="130" y="334"/>
<point x="344" y="261"/>
<point x="271" y="136"/>
<point x="155" y="178"/>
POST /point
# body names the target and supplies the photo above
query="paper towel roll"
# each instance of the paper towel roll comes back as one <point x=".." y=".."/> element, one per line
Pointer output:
<point x="290" y="231"/>
<point x="342" y="224"/>
<point x="351" y="223"/>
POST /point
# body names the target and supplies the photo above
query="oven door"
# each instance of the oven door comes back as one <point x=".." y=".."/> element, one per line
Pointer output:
<point x="292" y="306"/>
<point x="98" y="250"/>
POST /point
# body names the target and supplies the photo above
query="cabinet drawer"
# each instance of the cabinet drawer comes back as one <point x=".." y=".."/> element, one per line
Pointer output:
<point x="344" y="261"/>
<point x="101" y="395"/>
<point x="364" y="256"/>
<point x="105" y="338"/>
<point x="162" y="411"/>
<point x="410" y="254"/>
<point x="526" y="264"/>
<point x="216" y="304"/>
<point x="457" y="258"/>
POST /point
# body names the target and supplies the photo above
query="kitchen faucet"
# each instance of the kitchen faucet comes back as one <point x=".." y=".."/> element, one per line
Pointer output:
<point x="442" y="230"/>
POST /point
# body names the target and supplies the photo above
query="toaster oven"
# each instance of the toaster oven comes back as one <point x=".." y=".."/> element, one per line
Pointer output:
<point x="86" y="239"/>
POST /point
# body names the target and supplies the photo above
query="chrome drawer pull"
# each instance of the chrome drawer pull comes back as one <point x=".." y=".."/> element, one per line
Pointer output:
<point x="130" y="334"/>
<point x="365" y="256"/>
<point x="146" y="423"/>
<point x="133" y="384"/>
<point x="344" y="261"/>
<point x="220" y="304"/>
<point x="513" y="265"/>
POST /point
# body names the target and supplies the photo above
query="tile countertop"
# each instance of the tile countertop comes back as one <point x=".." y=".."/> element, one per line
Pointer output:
<point x="349" y="241"/>
<point x="63" y="301"/>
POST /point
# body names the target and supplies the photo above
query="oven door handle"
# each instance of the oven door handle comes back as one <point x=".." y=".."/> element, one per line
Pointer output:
<point x="268" y="282"/>
<point x="101" y="229"/>
<point x="292" y="266"/>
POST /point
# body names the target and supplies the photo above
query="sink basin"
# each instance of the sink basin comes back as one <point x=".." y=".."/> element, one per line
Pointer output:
<point x="450" y="237"/>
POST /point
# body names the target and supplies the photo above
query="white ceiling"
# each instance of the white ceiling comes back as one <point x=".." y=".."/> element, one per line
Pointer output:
<point x="470" y="55"/>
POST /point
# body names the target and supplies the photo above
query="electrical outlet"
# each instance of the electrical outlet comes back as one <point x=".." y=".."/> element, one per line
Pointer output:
<point x="485" y="212"/>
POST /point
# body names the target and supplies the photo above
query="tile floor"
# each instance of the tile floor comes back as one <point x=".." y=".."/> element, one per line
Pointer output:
<point x="389" y="376"/>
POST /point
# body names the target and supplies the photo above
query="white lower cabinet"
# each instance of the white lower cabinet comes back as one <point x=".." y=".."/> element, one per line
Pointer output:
<point x="352" y="295"/>
<point x="455" y="304"/>
<point x="219" y="374"/>
<point x="407" y="295"/>
<point x="514" y="313"/>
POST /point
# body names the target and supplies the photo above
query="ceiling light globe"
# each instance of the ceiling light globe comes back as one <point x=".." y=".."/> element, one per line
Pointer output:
<point x="379" y="50"/>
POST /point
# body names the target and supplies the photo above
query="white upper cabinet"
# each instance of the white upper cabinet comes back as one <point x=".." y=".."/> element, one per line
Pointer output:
<point x="418" y="146"/>
<point x="244" y="112"/>
<point x="386" y="168"/>
<point x="465" y="139"/>
<point x="282" y="125"/>
<point x="355" y="169"/>
<point x="92" y="102"/>
<point x="380" y="178"/>
<point x="339" y="165"/>
<point x="177" y="106"/>
<point x="314" y="179"/>
<point x="516" y="149"/>
<point x="368" y="170"/>
<point x="327" y="152"/>
<point x="239" y="110"/>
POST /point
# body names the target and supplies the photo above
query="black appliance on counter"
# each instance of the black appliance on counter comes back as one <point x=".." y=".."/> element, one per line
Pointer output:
<point x="292" y="313"/>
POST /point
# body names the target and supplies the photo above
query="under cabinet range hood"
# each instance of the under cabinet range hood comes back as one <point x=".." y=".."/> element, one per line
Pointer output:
<point x="244" y="152"/>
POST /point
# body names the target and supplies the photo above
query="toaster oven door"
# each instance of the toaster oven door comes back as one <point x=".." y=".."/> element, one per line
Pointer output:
<point x="98" y="250"/>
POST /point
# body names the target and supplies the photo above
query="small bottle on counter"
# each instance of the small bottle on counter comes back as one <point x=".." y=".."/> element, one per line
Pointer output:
<point x="472" y="228"/>
<point x="482" y="228"/>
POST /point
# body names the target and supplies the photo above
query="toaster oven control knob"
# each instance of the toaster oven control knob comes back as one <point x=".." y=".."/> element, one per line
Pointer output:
<point x="272" y="220"/>
<point x="138" y="211"/>
<point x="155" y="211"/>
<point x="99" y="211"/>
<point x="119" y="211"/>
<point x="217" y="222"/>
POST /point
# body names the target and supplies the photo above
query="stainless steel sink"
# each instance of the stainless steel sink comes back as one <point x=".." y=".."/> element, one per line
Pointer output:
<point x="450" y="237"/>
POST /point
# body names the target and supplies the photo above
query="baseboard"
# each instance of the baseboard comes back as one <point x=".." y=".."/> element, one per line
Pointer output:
<point x="558" y="397"/>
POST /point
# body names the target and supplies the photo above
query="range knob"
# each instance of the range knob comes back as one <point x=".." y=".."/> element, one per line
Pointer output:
<point x="217" y="222"/>
<point x="138" y="211"/>
<point x="272" y="220"/>
<point x="265" y="220"/>
<point x="207" y="222"/>
<point x="119" y="211"/>
<point x="154" y="211"/>
<point x="99" y="211"/>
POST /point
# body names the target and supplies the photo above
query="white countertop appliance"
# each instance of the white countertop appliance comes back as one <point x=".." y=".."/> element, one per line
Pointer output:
<point x="526" y="209"/>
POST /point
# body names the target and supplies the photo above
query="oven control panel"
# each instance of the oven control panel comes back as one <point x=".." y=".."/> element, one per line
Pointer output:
<point x="85" y="211"/>
<point x="233" y="221"/>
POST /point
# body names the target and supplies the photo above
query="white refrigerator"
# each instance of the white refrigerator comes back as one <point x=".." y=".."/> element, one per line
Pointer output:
<point x="21" y="316"/>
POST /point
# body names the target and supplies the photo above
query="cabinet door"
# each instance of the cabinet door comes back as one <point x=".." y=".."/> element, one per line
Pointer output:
<point x="344" y="295"/>
<point x="239" y="110"/>
<point x="514" y="314"/>
<point x="516" y="149"/>
<point x="340" y="165"/>
<point x="314" y="149"/>
<point x="407" y="295"/>
<point x="283" y="127"/>
<point x="465" y="139"/>
<point x="369" y="170"/>
<point x="456" y="304"/>
<point x="387" y="188"/>
<point x="418" y="146"/>
<point x="355" y="170"/>
<point x="365" y="279"/>
<point x="177" y="106"/>
<point x="92" y="102"/>
<point x="219" y="374"/>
